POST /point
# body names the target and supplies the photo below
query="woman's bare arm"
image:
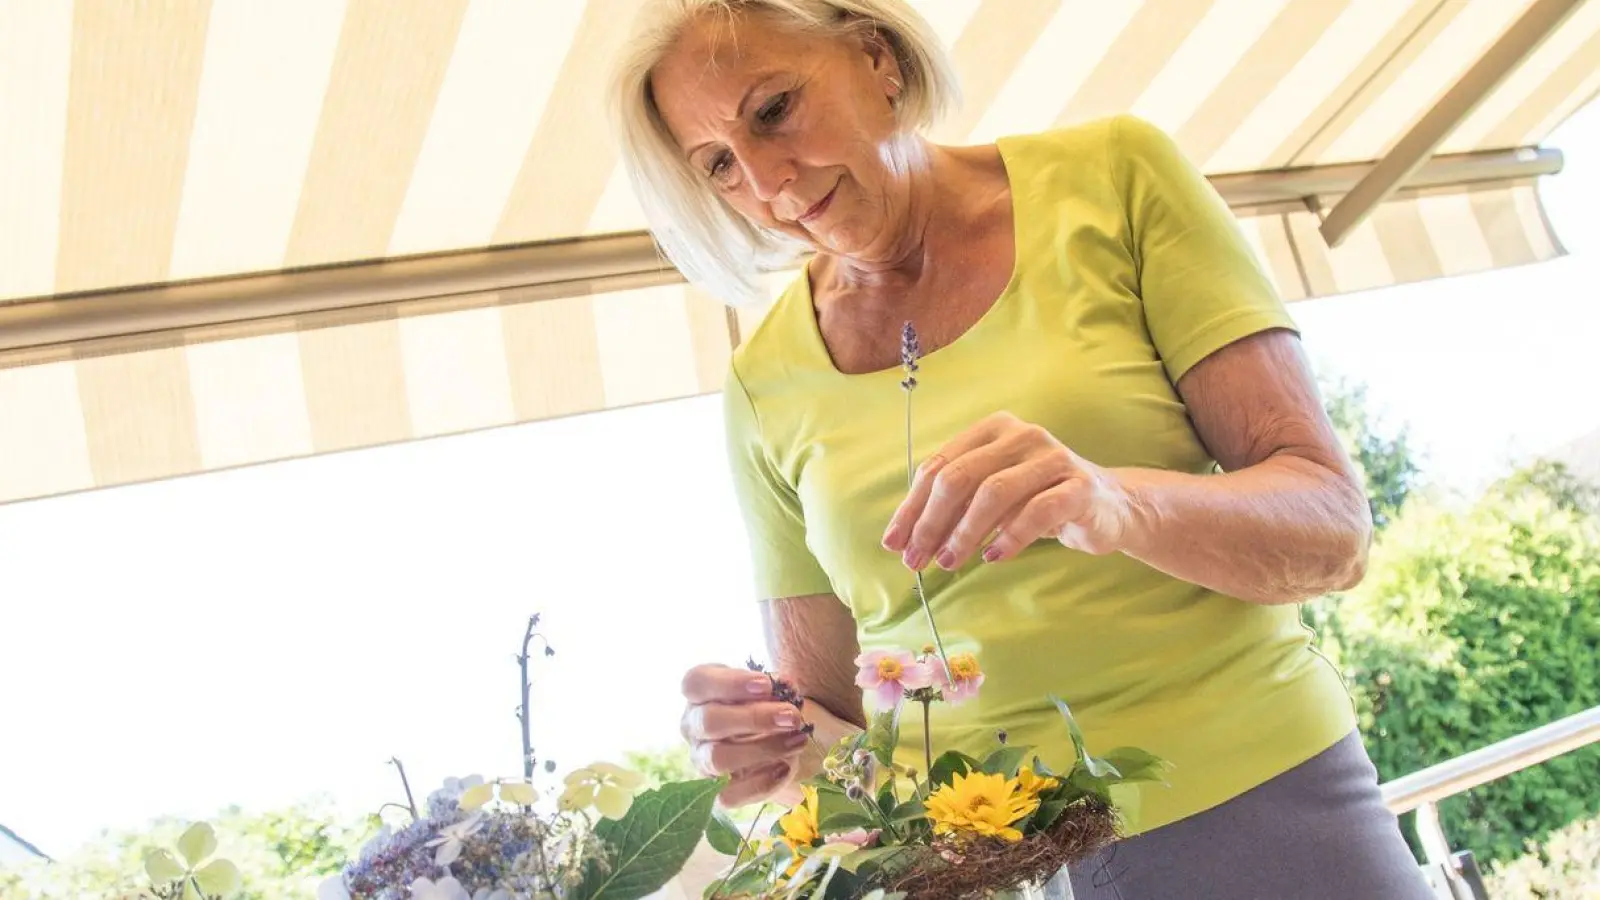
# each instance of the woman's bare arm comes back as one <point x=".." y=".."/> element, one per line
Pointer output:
<point x="1288" y="519"/>
<point x="812" y="642"/>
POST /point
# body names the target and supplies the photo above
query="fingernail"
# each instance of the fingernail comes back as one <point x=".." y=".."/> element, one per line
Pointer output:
<point x="991" y="553"/>
<point x="758" y="686"/>
<point x="797" y="739"/>
<point x="915" y="560"/>
<point x="787" y="719"/>
<point x="947" y="560"/>
<point x="891" y="538"/>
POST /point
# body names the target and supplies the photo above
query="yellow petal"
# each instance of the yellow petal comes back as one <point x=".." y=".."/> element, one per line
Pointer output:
<point x="626" y="779"/>
<point x="197" y="843"/>
<point x="162" y="866"/>
<point x="576" y="797"/>
<point x="476" y="796"/>
<point x="518" y="793"/>
<point x="613" y="802"/>
<point x="218" y="879"/>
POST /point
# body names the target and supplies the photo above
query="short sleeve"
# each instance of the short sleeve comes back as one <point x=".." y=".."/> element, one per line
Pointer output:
<point x="1200" y="282"/>
<point x="774" y="523"/>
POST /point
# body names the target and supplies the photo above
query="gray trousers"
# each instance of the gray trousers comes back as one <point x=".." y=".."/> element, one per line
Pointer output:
<point x="1318" y="832"/>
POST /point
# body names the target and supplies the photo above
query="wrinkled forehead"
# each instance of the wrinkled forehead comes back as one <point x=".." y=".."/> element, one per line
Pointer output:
<point x="719" y="57"/>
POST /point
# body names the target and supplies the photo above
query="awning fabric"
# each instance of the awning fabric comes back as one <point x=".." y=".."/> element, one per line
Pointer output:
<point x="150" y="143"/>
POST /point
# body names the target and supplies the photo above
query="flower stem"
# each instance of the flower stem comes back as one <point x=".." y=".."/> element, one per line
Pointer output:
<point x="922" y="592"/>
<point x="527" y="733"/>
<point x="927" y="734"/>
<point x="749" y="836"/>
<point x="411" y="802"/>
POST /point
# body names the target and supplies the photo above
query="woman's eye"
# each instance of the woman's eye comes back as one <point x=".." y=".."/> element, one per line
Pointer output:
<point x="720" y="165"/>
<point x="775" y="110"/>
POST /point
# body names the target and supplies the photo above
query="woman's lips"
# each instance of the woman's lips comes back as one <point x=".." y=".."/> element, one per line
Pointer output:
<point x="821" y="207"/>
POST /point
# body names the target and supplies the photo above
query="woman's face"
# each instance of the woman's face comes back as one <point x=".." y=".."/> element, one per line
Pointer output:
<point x="789" y="127"/>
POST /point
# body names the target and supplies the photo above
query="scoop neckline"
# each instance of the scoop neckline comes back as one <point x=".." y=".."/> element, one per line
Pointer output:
<point x="814" y="326"/>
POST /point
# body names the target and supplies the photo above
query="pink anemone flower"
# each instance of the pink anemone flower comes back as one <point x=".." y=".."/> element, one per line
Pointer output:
<point x="888" y="674"/>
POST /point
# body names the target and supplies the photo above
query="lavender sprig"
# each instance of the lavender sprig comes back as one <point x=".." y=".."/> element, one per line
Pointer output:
<point x="910" y="354"/>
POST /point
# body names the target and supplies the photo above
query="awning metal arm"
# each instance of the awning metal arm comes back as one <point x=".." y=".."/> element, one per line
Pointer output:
<point x="1519" y="42"/>
<point x="557" y="269"/>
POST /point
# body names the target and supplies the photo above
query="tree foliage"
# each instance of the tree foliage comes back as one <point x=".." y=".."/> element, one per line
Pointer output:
<point x="1566" y="866"/>
<point x="282" y="854"/>
<point x="1385" y="458"/>
<point x="1475" y="625"/>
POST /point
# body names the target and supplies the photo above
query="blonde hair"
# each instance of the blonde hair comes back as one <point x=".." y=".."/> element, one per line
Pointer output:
<point x="712" y="244"/>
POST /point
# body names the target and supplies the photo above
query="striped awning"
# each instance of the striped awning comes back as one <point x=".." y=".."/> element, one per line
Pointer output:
<point x="175" y="173"/>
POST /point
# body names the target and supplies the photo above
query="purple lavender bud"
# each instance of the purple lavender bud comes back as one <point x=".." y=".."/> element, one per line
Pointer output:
<point x="910" y="349"/>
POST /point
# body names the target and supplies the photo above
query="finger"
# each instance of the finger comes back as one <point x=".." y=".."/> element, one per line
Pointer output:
<point x="898" y="534"/>
<point x="1002" y="496"/>
<point x="713" y="683"/>
<point x="1042" y="516"/>
<point x="715" y="758"/>
<point x="723" y="721"/>
<point x="755" y="785"/>
<point x="953" y="490"/>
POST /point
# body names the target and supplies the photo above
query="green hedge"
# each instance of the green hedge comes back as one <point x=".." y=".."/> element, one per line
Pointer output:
<point x="1567" y="867"/>
<point x="1473" y="626"/>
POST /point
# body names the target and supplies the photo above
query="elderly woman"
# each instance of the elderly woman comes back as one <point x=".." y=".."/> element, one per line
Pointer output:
<point x="1126" y="483"/>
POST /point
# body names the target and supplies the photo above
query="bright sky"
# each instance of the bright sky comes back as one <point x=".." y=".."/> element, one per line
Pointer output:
<point x="273" y="633"/>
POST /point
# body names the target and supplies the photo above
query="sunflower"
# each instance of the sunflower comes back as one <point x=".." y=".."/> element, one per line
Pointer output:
<point x="981" y="803"/>
<point x="799" y="825"/>
<point x="1033" y="784"/>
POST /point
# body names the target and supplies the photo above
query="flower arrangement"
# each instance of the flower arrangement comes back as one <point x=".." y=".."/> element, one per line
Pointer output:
<point x="601" y="839"/>
<point x="869" y="827"/>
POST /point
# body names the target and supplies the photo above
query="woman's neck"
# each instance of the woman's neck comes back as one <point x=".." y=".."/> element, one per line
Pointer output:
<point x="942" y="198"/>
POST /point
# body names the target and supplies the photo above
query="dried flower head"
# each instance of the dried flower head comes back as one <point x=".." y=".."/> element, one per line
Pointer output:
<point x="910" y="353"/>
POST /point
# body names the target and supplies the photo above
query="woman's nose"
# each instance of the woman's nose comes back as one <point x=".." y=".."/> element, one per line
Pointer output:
<point x="769" y="169"/>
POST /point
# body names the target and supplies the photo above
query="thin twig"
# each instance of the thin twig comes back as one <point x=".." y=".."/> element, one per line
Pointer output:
<point x="748" y="837"/>
<point x="411" y="802"/>
<point x="527" y="728"/>
<point x="527" y="687"/>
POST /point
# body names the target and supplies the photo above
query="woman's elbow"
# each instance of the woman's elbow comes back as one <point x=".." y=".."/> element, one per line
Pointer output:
<point x="1352" y="538"/>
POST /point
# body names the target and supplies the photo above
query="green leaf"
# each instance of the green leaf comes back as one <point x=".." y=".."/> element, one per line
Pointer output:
<point x="723" y="836"/>
<point x="1006" y="761"/>
<point x="1134" y="764"/>
<point x="870" y="856"/>
<point x="948" y="765"/>
<point x="883" y="735"/>
<point x="748" y="880"/>
<point x="886" y="797"/>
<point x="844" y="821"/>
<point x="197" y="843"/>
<point x="1059" y="801"/>
<point x="833" y="802"/>
<point x="1098" y="785"/>
<point x="1097" y="768"/>
<point x="909" y="810"/>
<point x="650" y="844"/>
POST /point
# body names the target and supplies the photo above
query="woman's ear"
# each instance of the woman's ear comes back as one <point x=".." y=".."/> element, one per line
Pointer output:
<point x="884" y="63"/>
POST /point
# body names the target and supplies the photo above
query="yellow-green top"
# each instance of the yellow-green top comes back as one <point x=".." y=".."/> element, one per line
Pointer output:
<point x="1129" y="270"/>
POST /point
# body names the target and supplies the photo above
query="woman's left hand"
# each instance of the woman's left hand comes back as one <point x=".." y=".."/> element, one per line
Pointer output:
<point x="1011" y="479"/>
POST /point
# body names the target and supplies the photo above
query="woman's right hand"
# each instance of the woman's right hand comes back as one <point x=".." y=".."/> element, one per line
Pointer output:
<point x="736" y="728"/>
